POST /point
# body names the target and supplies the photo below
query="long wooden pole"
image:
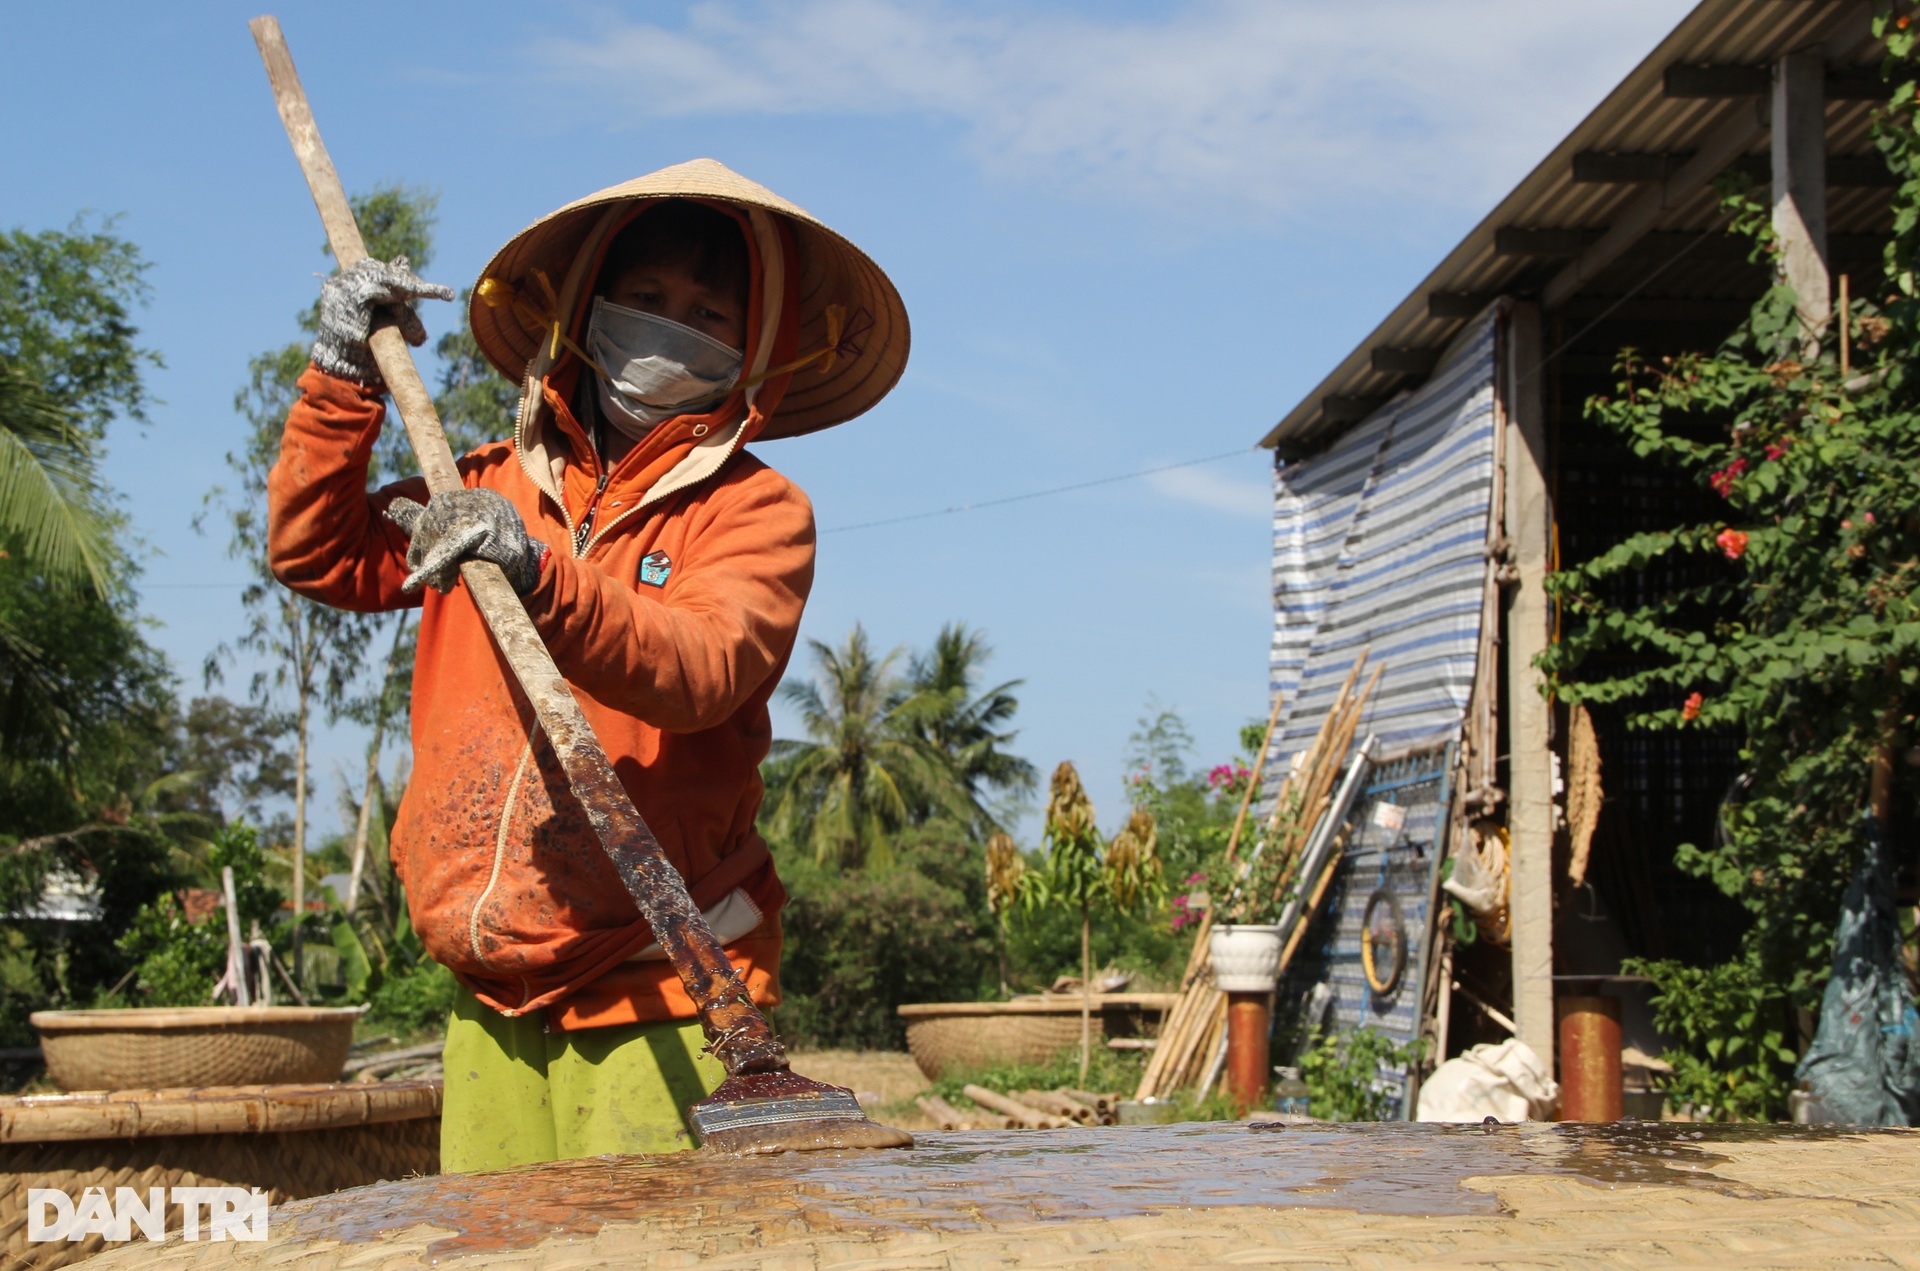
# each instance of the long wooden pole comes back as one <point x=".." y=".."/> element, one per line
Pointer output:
<point x="737" y="1033"/>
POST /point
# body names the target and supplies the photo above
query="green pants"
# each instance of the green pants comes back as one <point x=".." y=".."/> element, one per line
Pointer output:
<point x="518" y="1095"/>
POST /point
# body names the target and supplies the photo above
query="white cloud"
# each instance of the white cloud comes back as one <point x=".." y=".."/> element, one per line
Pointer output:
<point x="1278" y="106"/>
<point x="1236" y="496"/>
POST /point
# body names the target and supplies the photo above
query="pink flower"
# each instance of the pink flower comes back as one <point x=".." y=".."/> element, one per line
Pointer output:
<point x="1775" y="449"/>
<point x="1733" y="543"/>
<point x="1869" y="518"/>
<point x="1722" y="481"/>
<point x="1691" y="708"/>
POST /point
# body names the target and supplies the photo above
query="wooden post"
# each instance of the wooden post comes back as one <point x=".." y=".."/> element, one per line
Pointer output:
<point x="1529" y="514"/>
<point x="1800" y="188"/>
<point x="1249" y="1036"/>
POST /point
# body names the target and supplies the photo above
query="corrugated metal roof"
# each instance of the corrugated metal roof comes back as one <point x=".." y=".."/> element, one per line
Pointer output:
<point x="1637" y="117"/>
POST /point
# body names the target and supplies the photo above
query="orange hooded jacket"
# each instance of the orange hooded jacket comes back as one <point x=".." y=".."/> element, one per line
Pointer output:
<point x="670" y="601"/>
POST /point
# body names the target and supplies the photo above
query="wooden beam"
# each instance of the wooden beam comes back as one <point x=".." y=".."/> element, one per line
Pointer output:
<point x="1600" y="167"/>
<point x="1397" y="360"/>
<point x="1799" y="127"/>
<point x="1729" y="141"/>
<point x="1458" y="304"/>
<point x="1604" y="167"/>
<point x="1527" y="620"/>
<point x="1346" y="409"/>
<point x="1694" y="81"/>
<point x="1518" y="241"/>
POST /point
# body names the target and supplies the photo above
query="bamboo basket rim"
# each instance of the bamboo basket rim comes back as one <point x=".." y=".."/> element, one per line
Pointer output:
<point x="140" y="1114"/>
<point x="1052" y="1004"/>
<point x="155" y="1018"/>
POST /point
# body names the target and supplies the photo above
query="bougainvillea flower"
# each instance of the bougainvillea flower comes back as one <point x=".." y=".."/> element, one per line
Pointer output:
<point x="1722" y="481"/>
<point x="1733" y="543"/>
<point x="1691" y="708"/>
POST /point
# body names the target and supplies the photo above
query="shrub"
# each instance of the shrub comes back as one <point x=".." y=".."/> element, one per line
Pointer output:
<point x="413" y="1001"/>
<point x="1341" y="1074"/>
<point x="859" y="945"/>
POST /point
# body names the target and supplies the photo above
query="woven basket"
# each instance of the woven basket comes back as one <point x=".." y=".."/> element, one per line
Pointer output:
<point x="289" y="1141"/>
<point x="968" y="1036"/>
<point x="157" y="1048"/>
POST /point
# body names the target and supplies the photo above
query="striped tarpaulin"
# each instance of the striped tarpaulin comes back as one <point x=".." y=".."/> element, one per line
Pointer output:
<point x="1380" y="542"/>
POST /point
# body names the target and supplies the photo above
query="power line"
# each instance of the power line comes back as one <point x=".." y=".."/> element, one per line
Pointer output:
<point x="1033" y="494"/>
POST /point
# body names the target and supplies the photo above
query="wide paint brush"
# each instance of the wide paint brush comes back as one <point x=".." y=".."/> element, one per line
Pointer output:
<point x="762" y="1106"/>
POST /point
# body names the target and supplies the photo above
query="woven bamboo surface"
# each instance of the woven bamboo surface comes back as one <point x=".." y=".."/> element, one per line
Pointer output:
<point x="346" y="1137"/>
<point x="1841" y="1202"/>
<point x="968" y="1036"/>
<point x="127" y="1114"/>
<point x="199" y="1046"/>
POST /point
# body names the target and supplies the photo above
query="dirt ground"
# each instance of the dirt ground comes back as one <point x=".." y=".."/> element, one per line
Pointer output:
<point x="884" y="1081"/>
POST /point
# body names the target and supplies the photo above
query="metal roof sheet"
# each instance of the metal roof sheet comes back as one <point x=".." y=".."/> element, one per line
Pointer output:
<point x="1636" y="117"/>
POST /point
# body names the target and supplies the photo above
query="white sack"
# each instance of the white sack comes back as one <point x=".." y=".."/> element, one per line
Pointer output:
<point x="1508" y="1082"/>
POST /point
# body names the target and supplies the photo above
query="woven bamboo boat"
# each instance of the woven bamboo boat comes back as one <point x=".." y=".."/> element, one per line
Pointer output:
<point x="150" y="1048"/>
<point x="291" y="1142"/>
<point x="954" y="1037"/>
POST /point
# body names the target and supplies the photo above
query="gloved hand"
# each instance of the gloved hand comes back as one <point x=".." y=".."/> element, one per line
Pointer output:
<point x="352" y="299"/>
<point x="462" y="525"/>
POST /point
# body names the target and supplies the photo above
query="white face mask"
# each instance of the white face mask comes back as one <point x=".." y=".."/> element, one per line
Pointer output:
<point x="658" y="367"/>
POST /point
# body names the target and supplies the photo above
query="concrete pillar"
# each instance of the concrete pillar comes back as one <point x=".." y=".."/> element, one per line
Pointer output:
<point x="1528" y="618"/>
<point x="1800" y="185"/>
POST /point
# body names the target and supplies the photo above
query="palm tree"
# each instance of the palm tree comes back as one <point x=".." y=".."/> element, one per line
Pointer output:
<point x="51" y="510"/>
<point x="964" y="726"/>
<point x="868" y="764"/>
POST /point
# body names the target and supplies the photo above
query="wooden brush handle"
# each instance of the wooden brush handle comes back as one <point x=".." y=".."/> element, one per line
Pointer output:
<point x="737" y="1033"/>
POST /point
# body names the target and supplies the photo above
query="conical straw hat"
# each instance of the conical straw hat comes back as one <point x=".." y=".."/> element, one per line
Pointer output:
<point x="831" y="271"/>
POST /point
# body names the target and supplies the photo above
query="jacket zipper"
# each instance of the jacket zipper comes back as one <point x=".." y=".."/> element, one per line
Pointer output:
<point x="583" y="533"/>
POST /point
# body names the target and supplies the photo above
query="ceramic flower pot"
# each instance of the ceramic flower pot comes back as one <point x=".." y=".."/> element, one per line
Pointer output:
<point x="1246" y="959"/>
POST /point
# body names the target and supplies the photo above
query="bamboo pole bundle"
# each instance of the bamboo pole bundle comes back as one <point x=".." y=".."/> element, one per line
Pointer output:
<point x="1059" y="1105"/>
<point x="1197" y="993"/>
<point x="947" y="1117"/>
<point x="1031" y="1118"/>
<point x="1193" y="1028"/>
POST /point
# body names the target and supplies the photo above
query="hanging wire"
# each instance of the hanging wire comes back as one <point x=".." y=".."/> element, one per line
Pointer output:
<point x="1034" y="494"/>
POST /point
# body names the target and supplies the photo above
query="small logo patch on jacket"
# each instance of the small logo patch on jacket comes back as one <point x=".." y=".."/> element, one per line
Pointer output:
<point x="654" y="568"/>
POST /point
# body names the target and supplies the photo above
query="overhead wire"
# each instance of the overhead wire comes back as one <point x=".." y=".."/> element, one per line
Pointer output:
<point x="957" y="508"/>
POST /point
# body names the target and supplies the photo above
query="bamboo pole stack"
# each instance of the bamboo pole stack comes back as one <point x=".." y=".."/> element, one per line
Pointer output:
<point x="1191" y="1036"/>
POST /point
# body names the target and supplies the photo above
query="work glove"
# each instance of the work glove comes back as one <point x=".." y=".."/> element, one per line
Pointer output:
<point x="458" y="525"/>
<point x="353" y="300"/>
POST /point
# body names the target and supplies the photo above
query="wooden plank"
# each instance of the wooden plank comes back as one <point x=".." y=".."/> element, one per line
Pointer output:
<point x="1529" y="520"/>
<point x="1725" y="144"/>
<point x="1517" y="240"/>
<point x="1458" y="304"/>
<point x="1398" y="360"/>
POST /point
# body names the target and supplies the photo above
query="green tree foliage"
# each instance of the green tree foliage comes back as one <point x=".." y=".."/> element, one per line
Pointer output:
<point x="873" y="760"/>
<point x="177" y="962"/>
<point x="66" y="304"/>
<point x="969" y="727"/>
<point x="860" y="945"/>
<point x="1193" y="811"/>
<point x="81" y="694"/>
<point x="1802" y="640"/>
<point x="1081" y="875"/>
<point x="308" y="651"/>
<point x="53" y="515"/>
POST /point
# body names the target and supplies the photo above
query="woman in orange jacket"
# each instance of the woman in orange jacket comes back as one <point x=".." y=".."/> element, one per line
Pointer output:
<point x="657" y="327"/>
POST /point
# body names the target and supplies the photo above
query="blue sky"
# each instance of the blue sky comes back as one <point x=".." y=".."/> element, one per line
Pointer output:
<point x="1129" y="234"/>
